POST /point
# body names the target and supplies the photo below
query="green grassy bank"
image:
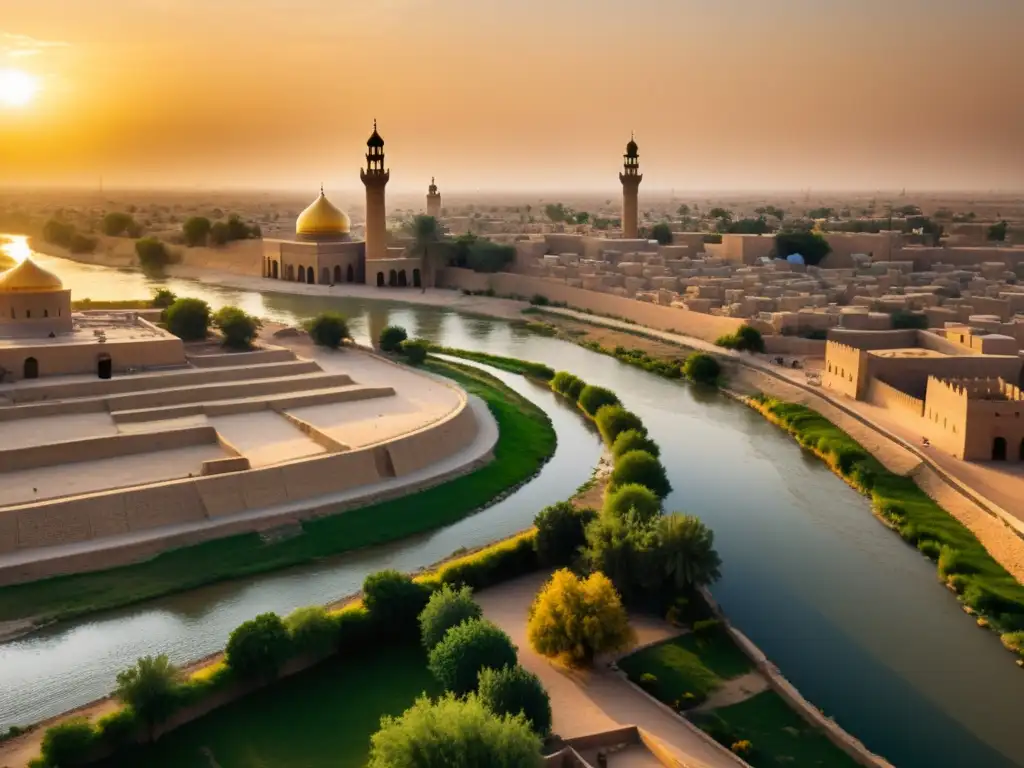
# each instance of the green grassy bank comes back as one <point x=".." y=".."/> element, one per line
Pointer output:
<point x="963" y="563"/>
<point x="526" y="441"/>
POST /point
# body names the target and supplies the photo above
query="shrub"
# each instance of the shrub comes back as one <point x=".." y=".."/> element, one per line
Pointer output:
<point x="466" y="649"/>
<point x="648" y="682"/>
<point x="328" y="329"/>
<point x="575" y="620"/>
<point x="539" y="300"/>
<point x="163" y="298"/>
<point x="415" y="350"/>
<point x="69" y="743"/>
<point x="742" y="748"/>
<point x="746" y="339"/>
<point x="82" y="243"/>
<point x="356" y="630"/>
<point x="515" y="691"/>
<point x="633" y="440"/>
<point x="702" y="368"/>
<point x="394" y="601"/>
<point x="312" y="629"/>
<point x="454" y="732"/>
<point x="152" y="253"/>
<point x="564" y="383"/>
<point x="561" y="531"/>
<point x="257" y="648"/>
<point x="592" y="398"/>
<point x="642" y="468"/>
<point x="188" y="319"/>
<point x="640" y="499"/>
<point x="195" y="230"/>
<point x="613" y="420"/>
<point x="150" y="688"/>
<point x="496" y="564"/>
<point x="117" y="729"/>
<point x="391" y="338"/>
<point x="446" y="608"/>
<point x="115" y="224"/>
<point x="238" y="328"/>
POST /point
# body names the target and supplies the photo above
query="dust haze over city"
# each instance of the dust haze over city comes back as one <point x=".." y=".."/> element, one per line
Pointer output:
<point x="563" y="383"/>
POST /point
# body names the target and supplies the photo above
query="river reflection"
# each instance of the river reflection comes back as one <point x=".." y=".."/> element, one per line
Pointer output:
<point x="853" y="616"/>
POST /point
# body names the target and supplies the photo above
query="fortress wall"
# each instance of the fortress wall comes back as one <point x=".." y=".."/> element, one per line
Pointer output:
<point x="241" y="257"/>
<point x="563" y="243"/>
<point x="68" y="359"/>
<point x="944" y="420"/>
<point x="420" y="449"/>
<point x="776" y="344"/>
<point x="881" y="394"/>
<point x="910" y="374"/>
<point x="898" y="339"/>
<point x="845" y="369"/>
<point x="256" y="357"/>
<point x="106" y="447"/>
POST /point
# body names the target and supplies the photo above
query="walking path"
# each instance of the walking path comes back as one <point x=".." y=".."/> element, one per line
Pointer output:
<point x="589" y="701"/>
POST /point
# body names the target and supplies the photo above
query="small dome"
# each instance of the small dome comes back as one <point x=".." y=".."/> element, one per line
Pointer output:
<point x="322" y="218"/>
<point x="375" y="140"/>
<point x="29" y="277"/>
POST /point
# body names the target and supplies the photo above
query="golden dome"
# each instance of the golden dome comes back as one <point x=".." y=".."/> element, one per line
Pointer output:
<point x="322" y="219"/>
<point x="29" y="277"/>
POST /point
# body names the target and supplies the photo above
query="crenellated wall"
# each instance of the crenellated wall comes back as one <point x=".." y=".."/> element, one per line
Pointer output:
<point x="885" y="396"/>
<point x="845" y="369"/>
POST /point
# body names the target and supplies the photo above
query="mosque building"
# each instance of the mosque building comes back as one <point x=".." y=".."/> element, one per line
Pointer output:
<point x="323" y="251"/>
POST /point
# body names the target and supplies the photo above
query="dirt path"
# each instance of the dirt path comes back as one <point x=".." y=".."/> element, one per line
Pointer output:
<point x="734" y="691"/>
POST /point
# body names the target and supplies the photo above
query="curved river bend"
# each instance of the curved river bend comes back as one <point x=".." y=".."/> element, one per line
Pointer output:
<point x="851" y="615"/>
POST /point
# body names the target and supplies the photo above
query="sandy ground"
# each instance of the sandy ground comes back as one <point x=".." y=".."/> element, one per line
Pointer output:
<point x="734" y="691"/>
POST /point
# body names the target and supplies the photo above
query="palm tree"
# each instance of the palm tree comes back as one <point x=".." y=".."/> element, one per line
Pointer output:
<point x="425" y="231"/>
<point x="150" y="688"/>
<point x="687" y="551"/>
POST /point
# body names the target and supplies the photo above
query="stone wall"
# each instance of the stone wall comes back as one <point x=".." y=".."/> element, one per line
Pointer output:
<point x="881" y="394"/>
<point x="57" y="359"/>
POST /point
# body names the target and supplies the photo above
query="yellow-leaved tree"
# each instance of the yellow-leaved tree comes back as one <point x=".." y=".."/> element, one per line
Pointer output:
<point x="575" y="620"/>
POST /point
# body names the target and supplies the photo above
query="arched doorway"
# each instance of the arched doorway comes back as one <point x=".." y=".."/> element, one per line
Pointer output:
<point x="290" y="273"/>
<point x="380" y="279"/>
<point x="393" y="278"/>
<point x="416" y="279"/>
<point x="273" y="269"/>
<point x="337" y="273"/>
<point x="325" y="275"/>
<point x="31" y="370"/>
<point x="104" y="366"/>
<point x="302" y="274"/>
<point x="999" y="449"/>
<point x="350" y="274"/>
<point x="402" y="281"/>
<point x="310" y="276"/>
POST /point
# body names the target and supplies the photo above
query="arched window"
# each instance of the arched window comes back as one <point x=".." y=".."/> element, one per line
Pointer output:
<point x="393" y="278"/>
<point x="998" y="449"/>
<point x="337" y="273"/>
<point x="325" y="276"/>
<point x="350" y="274"/>
<point x="380" y="279"/>
<point x="273" y="269"/>
<point x="416" y="279"/>
<point x="402" y="281"/>
<point x="28" y="313"/>
<point x="310" y="276"/>
<point x="46" y="313"/>
<point x="302" y="274"/>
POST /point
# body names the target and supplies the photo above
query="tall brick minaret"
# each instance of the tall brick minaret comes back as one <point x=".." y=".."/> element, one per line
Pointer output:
<point x="433" y="200"/>
<point x="630" y="178"/>
<point x="375" y="178"/>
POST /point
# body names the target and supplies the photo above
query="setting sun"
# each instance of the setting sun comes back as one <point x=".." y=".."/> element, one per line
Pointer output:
<point x="17" y="88"/>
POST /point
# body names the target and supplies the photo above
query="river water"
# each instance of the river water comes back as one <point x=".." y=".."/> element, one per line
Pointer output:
<point x="851" y="615"/>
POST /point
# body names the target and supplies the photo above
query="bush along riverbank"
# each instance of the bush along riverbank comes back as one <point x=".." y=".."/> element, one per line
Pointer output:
<point x="985" y="588"/>
<point x="526" y="441"/>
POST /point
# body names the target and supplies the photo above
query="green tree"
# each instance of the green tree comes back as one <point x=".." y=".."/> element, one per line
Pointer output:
<point x="163" y="298"/>
<point x="220" y="233"/>
<point x="153" y="253"/>
<point x="634" y="440"/>
<point x="312" y="629"/>
<point x="683" y="210"/>
<point x="466" y="649"/>
<point x="686" y="548"/>
<point x="116" y="224"/>
<point x="623" y="549"/>
<point x="447" y="607"/>
<point x="662" y="232"/>
<point x="612" y="420"/>
<point x="758" y="226"/>
<point x="391" y="338"/>
<point x="575" y="621"/>
<point x="811" y="245"/>
<point x="150" y="688"/>
<point x="641" y="468"/>
<point x="821" y="213"/>
<point x="567" y="384"/>
<point x="720" y="214"/>
<point x="631" y="497"/>
<point x="516" y="691"/>
<point x="238" y="328"/>
<point x="746" y="339"/>
<point x="592" y="398"/>
<point x="561" y="532"/>
<point x="702" y="368"/>
<point x="82" y="243"/>
<point x="581" y="217"/>
<point x="557" y="212"/>
<point x="188" y="319"/>
<point x="239" y="230"/>
<point x="394" y="601"/>
<point x="195" y="230"/>
<point x="328" y="329"/>
<point x="58" y="233"/>
<point x="257" y="648"/>
<point x="70" y="743"/>
<point x="997" y="232"/>
<point x="426" y="233"/>
<point x="454" y="732"/>
<point x="415" y="350"/>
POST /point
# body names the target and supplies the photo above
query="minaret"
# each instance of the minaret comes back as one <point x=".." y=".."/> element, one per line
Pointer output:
<point x="433" y="200"/>
<point x="375" y="178"/>
<point x="630" y="178"/>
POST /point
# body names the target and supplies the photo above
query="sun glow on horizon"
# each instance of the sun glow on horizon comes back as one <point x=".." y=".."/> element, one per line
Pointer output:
<point x="15" y="247"/>
<point x="17" y="88"/>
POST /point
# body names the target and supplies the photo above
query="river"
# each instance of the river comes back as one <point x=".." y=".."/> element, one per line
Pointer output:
<point x="852" y="616"/>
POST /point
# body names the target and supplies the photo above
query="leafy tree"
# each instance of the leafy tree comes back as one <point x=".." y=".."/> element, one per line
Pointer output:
<point x="634" y="440"/>
<point x="328" y="329"/>
<point x="592" y="398"/>
<point x="581" y="217"/>
<point x="195" y="230"/>
<point x="69" y="743"/>
<point x="152" y="253"/>
<point x="447" y="607"/>
<point x="771" y="210"/>
<point x="997" y="232"/>
<point x="257" y="648"/>
<point x="567" y="384"/>
<point x="394" y="601"/>
<point x="188" y="319"/>
<point x="82" y="243"/>
<point x="150" y="688"/>
<point x="516" y="691"/>
<point x="622" y="548"/>
<point x="641" y="468"/>
<point x="115" y="224"/>
<point x="238" y="328"/>
<point x="561" y="531"/>
<point x="721" y="214"/>
<point x="758" y="226"/>
<point x="239" y="230"/>
<point x="466" y="649"/>
<point x="612" y="420"/>
<point x="391" y="338"/>
<point x="905" y="319"/>
<point x="632" y="497"/>
<point x="662" y="232"/>
<point x="821" y="213"/>
<point x="220" y="233"/>
<point x="426" y="232"/>
<point x="58" y="232"/>
<point x="453" y="733"/>
<point x="746" y="339"/>
<point x="163" y="298"/>
<point x="683" y="210"/>
<point x="686" y="548"/>
<point x="312" y="629"/>
<point x="557" y="212"/>
<point x="702" y="368"/>
<point x="415" y="350"/>
<point x="811" y="245"/>
<point x="488" y="257"/>
<point x="575" y="621"/>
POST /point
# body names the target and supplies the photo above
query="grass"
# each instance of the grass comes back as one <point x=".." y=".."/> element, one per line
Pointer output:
<point x="963" y="563"/>
<point x="526" y="441"/>
<point x="510" y="364"/>
<point x="696" y="663"/>
<point x="778" y="734"/>
<point x="320" y="718"/>
<point x="123" y="304"/>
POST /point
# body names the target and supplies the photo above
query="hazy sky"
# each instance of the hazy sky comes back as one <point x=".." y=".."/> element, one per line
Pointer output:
<point x="520" y="94"/>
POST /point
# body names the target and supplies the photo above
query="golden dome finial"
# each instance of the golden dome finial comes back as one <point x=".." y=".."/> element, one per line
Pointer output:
<point x="322" y="219"/>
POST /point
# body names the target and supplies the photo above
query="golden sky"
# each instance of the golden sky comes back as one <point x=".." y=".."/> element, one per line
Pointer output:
<point x="524" y="95"/>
